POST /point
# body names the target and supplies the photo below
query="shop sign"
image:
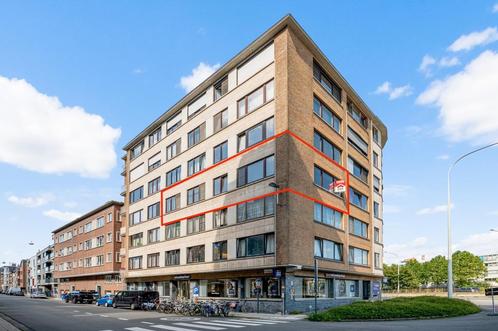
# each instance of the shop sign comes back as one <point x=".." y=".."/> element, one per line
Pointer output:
<point x="335" y="276"/>
<point x="182" y="277"/>
<point x="195" y="291"/>
<point x="375" y="289"/>
<point x="277" y="273"/>
<point x="268" y="271"/>
<point x="258" y="283"/>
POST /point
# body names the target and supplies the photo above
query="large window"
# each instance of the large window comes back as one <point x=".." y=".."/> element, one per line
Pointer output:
<point x="220" y="152"/>
<point x="358" y="199"/>
<point x="254" y="135"/>
<point x="255" y="99"/>
<point x="357" y="227"/>
<point x="154" y="186"/>
<point x="135" y="262"/>
<point x="357" y="115"/>
<point x="256" y="209"/>
<point x="346" y="288"/>
<point x="325" y="146"/>
<point x="256" y="245"/>
<point x="357" y="170"/>
<point x="328" y="249"/>
<point x="196" y="224"/>
<point x="196" y="164"/>
<point x="220" y="88"/>
<point x="154" y="162"/>
<point x="196" y="135"/>
<point x="173" y="176"/>
<point x="220" y="218"/>
<point x="220" y="120"/>
<point x="137" y="194"/>
<point x="376" y="135"/>
<point x="136" y="217"/>
<point x="173" y="230"/>
<point x="358" y="256"/>
<point x="375" y="159"/>
<point x="357" y="141"/>
<point x="324" y="180"/>
<point x="174" y="123"/>
<point x="327" y="115"/>
<point x="154" y="137"/>
<point x="173" y="149"/>
<point x="220" y="184"/>
<point x="173" y="257"/>
<point x="328" y="216"/>
<point x="376" y="235"/>
<point x="195" y="194"/>
<point x="255" y="171"/>
<point x="153" y="235"/>
<point x="306" y="289"/>
<point x="376" y="184"/>
<point x="153" y="260"/>
<point x="137" y="150"/>
<point x="328" y="84"/>
<point x="195" y="254"/>
<point x="100" y="222"/>
<point x="153" y="211"/>
<point x="172" y="203"/>
<point x="376" y="209"/>
<point x="377" y="260"/>
<point x="220" y="251"/>
<point x="136" y="239"/>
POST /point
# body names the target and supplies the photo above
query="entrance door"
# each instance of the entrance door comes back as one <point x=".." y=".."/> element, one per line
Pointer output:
<point x="184" y="289"/>
<point x="366" y="289"/>
<point x="99" y="290"/>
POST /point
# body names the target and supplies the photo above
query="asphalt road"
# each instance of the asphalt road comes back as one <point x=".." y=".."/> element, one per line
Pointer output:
<point x="52" y="315"/>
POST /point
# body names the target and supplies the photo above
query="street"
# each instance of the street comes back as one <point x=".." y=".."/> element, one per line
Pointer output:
<point x="44" y="315"/>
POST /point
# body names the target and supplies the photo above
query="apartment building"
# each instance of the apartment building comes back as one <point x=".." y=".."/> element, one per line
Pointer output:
<point x="23" y="275"/>
<point x="87" y="251"/>
<point x="228" y="193"/>
<point x="44" y="269"/>
<point x="491" y="263"/>
<point x="8" y="276"/>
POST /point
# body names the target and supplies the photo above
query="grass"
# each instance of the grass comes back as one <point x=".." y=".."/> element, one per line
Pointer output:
<point x="398" y="308"/>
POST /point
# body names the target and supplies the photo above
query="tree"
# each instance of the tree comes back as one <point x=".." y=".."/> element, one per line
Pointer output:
<point x="467" y="268"/>
<point x="438" y="270"/>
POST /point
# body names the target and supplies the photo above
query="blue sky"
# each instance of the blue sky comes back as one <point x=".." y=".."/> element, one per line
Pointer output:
<point x="123" y="61"/>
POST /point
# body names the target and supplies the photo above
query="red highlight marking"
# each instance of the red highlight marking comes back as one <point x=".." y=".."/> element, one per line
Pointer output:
<point x="284" y="190"/>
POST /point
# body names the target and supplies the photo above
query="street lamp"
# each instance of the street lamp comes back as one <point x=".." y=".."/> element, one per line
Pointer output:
<point x="450" y="252"/>
<point x="399" y="262"/>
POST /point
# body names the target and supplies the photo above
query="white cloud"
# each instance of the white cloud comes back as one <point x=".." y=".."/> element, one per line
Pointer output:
<point x="419" y="248"/>
<point x="434" y="210"/>
<point x="390" y="209"/>
<point x="443" y="157"/>
<point x="40" y="134"/>
<point x="397" y="190"/>
<point x="479" y="243"/>
<point x="467" y="100"/>
<point x="199" y="74"/>
<point x="449" y="61"/>
<point x="394" y="92"/>
<point x="495" y="8"/>
<point x="31" y="201"/>
<point x="425" y="65"/>
<point x="474" y="39"/>
<point x="61" y="215"/>
<point x="138" y="71"/>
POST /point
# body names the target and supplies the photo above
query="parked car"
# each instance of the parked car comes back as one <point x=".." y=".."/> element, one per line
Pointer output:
<point x="80" y="297"/>
<point x="38" y="294"/>
<point x="134" y="299"/>
<point x="105" y="300"/>
<point x="15" y="291"/>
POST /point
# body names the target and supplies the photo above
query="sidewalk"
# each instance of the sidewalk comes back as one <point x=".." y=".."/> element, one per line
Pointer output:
<point x="269" y="316"/>
<point x="6" y="326"/>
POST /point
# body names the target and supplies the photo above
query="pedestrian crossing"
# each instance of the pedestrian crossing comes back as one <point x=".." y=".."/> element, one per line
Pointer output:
<point x="208" y="324"/>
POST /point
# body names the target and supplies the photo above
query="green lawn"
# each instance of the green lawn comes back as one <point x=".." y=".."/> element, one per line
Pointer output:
<point x="399" y="308"/>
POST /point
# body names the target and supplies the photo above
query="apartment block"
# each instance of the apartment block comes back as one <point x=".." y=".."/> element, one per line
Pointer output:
<point x="23" y="275"/>
<point x="229" y="193"/>
<point x="491" y="263"/>
<point x="87" y="251"/>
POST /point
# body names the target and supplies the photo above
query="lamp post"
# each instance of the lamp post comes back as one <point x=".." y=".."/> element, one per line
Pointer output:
<point x="399" y="263"/>
<point x="450" y="249"/>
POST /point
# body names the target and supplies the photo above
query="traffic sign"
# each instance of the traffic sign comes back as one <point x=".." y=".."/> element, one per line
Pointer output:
<point x="338" y="186"/>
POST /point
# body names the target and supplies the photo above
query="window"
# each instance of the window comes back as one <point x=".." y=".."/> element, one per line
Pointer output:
<point x="196" y="164"/>
<point x="255" y="99"/>
<point x="357" y="227"/>
<point x="195" y="254"/>
<point x="173" y="176"/>
<point x="136" y="239"/>
<point x="173" y="149"/>
<point x="327" y="115"/>
<point x="195" y="194"/>
<point x="153" y="260"/>
<point x="220" y="88"/>
<point x="154" y="137"/>
<point x="256" y="171"/>
<point x="109" y="218"/>
<point x="196" y="135"/>
<point x="326" y="147"/>
<point x="306" y="288"/>
<point x="99" y="241"/>
<point x="327" y="249"/>
<point x="375" y="135"/>
<point x="100" y="222"/>
<point x="137" y="194"/>
<point x="324" y="180"/>
<point x="327" y="216"/>
<point x="173" y="257"/>
<point x="358" y="199"/>
<point x="220" y="184"/>
<point x="172" y="203"/>
<point x="109" y="258"/>
<point x="135" y="263"/>
<point x="376" y="160"/>
<point x="153" y="211"/>
<point x="173" y="231"/>
<point x="358" y="256"/>
<point x="88" y="262"/>
<point x="220" y="251"/>
<point x="118" y="236"/>
<point x="174" y="123"/>
<point x="377" y="260"/>
<point x="357" y="170"/>
<point x="376" y="184"/>
<point x="254" y="135"/>
<point x="220" y="120"/>
<point x="154" y="162"/>
<point x="153" y="235"/>
<point x="256" y="209"/>
<point x="137" y="150"/>
<point x="100" y="260"/>
<point x="376" y="235"/>
<point x="109" y="237"/>
<point x="118" y="257"/>
<point x="88" y="228"/>
<point x="136" y="217"/>
<point x="346" y="288"/>
<point x="328" y="84"/>
<point x="357" y="141"/>
<point x="220" y="152"/>
<point x="154" y="185"/>
<point x="88" y="244"/>
<point x="376" y="209"/>
<point x="357" y="115"/>
<point x="196" y="224"/>
<point x="256" y="245"/>
<point x="220" y="218"/>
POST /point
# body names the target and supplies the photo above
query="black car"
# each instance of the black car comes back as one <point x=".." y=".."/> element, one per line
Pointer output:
<point x="80" y="297"/>
<point x="134" y="299"/>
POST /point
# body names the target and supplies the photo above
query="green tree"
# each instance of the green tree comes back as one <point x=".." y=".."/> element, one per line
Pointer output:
<point x="467" y="268"/>
<point x="437" y="269"/>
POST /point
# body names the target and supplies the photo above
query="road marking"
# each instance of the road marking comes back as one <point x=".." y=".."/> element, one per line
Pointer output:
<point x="201" y="326"/>
<point x="147" y="323"/>
<point x="219" y="324"/>
<point x="122" y="318"/>
<point x="136" y="328"/>
<point x="237" y="323"/>
<point x="250" y="321"/>
<point x="273" y="321"/>
<point x="82" y="315"/>
<point x="172" y="328"/>
<point x="76" y="311"/>
<point x="104" y="315"/>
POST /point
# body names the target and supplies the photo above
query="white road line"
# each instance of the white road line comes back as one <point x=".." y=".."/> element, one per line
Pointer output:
<point x="250" y="321"/>
<point x="135" y="328"/>
<point x="76" y="311"/>
<point x="104" y="315"/>
<point x="122" y="318"/>
<point x="219" y="324"/>
<point x="200" y="326"/>
<point x="172" y="328"/>
<point x="273" y="321"/>
<point x="236" y="323"/>
<point x="147" y="323"/>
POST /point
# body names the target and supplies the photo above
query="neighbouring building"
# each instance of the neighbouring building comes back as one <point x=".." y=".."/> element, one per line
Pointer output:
<point x="87" y="251"/>
<point x="23" y="275"/>
<point x="491" y="263"/>
<point x="32" y="274"/>
<point x="44" y="269"/>
<point x="8" y="276"/>
<point x="228" y="194"/>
